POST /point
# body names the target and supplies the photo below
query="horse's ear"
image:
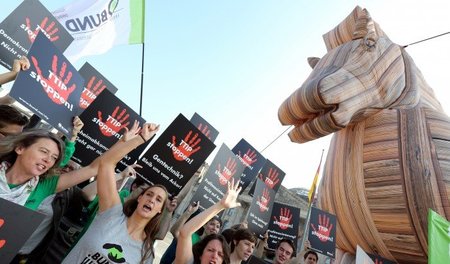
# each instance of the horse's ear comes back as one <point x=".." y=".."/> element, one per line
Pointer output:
<point x="343" y="32"/>
<point x="312" y="61"/>
<point x="366" y="28"/>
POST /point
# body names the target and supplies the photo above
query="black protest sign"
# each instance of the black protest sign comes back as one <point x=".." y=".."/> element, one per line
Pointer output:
<point x="224" y="167"/>
<point x="51" y="88"/>
<point x="94" y="84"/>
<point x="104" y="123"/>
<point x="19" y="30"/>
<point x="17" y="223"/>
<point x="380" y="260"/>
<point x="175" y="156"/>
<point x="261" y="208"/>
<point x="271" y="175"/>
<point x="252" y="160"/>
<point x="283" y="224"/>
<point x="133" y="156"/>
<point x="322" y="232"/>
<point x="206" y="128"/>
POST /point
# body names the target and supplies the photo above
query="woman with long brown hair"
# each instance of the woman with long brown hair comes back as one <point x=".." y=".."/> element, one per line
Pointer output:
<point x="119" y="233"/>
<point x="27" y="168"/>
<point x="212" y="248"/>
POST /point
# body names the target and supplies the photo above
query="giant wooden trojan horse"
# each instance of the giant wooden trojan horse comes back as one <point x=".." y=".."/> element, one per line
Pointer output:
<point x="389" y="158"/>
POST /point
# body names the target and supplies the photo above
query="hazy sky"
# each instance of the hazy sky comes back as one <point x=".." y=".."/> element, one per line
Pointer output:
<point x="234" y="62"/>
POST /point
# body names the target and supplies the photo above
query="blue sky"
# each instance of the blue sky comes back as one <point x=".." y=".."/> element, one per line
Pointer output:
<point x="234" y="62"/>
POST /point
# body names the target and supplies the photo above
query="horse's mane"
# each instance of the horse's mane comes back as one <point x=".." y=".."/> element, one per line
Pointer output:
<point x="354" y="26"/>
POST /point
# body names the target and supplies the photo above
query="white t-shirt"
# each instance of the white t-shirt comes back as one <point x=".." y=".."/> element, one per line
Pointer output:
<point x="107" y="241"/>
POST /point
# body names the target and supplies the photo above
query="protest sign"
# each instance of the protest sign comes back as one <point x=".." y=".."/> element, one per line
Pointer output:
<point x="224" y="167"/>
<point x="283" y="224"/>
<point x="175" y="156"/>
<point x="104" y="123"/>
<point x="94" y="84"/>
<point x="20" y="28"/>
<point x="271" y="175"/>
<point x="17" y="223"/>
<point x="133" y="156"/>
<point x="261" y="208"/>
<point x="252" y="160"/>
<point x="322" y="232"/>
<point x="206" y="128"/>
<point x="51" y="88"/>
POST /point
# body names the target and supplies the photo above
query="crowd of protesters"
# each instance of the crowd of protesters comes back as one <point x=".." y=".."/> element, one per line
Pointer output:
<point x="100" y="223"/>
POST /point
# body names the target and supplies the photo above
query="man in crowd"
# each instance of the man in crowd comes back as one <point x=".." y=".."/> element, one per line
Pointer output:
<point x="12" y="121"/>
<point x="310" y="257"/>
<point x="284" y="251"/>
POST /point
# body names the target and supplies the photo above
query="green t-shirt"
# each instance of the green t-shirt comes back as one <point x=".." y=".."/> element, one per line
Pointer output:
<point x="68" y="152"/>
<point x="44" y="188"/>
<point x="195" y="238"/>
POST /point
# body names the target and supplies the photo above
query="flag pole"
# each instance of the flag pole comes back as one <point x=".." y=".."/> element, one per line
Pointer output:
<point x="142" y="80"/>
<point x="311" y="195"/>
<point x="305" y="229"/>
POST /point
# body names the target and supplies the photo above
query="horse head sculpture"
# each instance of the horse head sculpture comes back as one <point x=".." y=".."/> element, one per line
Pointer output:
<point x="362" y="73"/>
<point x="388" y="161"/>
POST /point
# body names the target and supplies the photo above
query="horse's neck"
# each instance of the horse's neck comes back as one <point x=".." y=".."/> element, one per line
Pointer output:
<point x="415" y="83"/>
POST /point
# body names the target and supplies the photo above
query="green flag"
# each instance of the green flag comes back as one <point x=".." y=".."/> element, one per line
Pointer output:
<point x="438" y="239"/>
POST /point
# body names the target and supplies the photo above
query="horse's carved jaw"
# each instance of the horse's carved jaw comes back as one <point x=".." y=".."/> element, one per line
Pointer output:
<point x="350" y="83"/>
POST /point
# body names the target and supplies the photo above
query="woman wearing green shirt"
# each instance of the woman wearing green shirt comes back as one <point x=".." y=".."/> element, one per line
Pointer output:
<point x="27" y="168"/>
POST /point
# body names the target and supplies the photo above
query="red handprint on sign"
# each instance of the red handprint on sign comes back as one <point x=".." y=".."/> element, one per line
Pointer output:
<point x="228" y="171"/>
<point x="114" y="123"/>
<point x="263" y="201"/>
<point x="204" y="129"/>
<point x="48" y="31"/>
<point x="57" y="89"/>
<point x="249" y="157"/>
<point x="187" y="147"/>
<point x="2" y="241"/>
<point x="324" y="227"/>
<point x="91" y="92"/>
<point x="271" y="179"/>
<point x="285" y="218"/>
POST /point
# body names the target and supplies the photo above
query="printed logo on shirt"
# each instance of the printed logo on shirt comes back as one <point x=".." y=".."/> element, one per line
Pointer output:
<point x="115" y="253"/>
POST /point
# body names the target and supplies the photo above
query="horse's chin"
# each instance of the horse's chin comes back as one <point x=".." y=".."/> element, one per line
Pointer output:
<point x="314" y="128"/>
